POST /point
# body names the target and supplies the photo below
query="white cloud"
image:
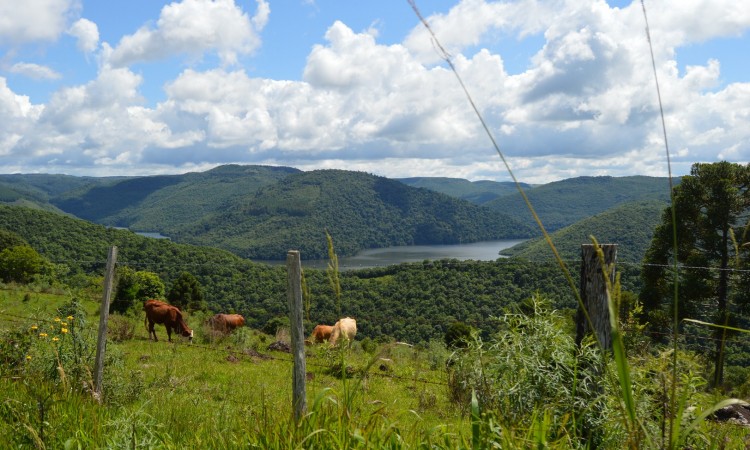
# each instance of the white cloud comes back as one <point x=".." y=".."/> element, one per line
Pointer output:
<point x="87" y="34"/>
<point x="194" y="27"/>
<point x="18" y="118"/>
<point x="585" y="106"/>
<point x="33" y="20"/>
<point x="34" y="71"/>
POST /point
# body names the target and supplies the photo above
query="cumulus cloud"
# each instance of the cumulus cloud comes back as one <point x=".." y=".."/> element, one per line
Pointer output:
<point x="34" y="71"/>
<point x="87" y="34"/>
<point x="194" y="27"/>
<point x="33" y="20"/>
<point x="586" y="105"/>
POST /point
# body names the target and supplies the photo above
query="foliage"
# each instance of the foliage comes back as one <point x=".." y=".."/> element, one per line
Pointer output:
<point x="457" y="335"/>
<point x="9" y="239"/>
<point x="135" y="287"/>
<point x="186" y="293"/>
<point x="20" y="264"/>
<point x="408" y="302"/>
<point x="478" y="192"/>
<point x="708" y="205"/>
<point x="630" y="226"/>
<point x="583" y="197"/>
<point x="359" y="210"/>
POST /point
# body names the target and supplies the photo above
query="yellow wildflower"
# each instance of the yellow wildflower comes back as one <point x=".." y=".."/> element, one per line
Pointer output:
<point x="64" y="330"/>
<point x="57" y="319"/>
<point x="55" y="339"/>
<point x="28" y="357"/>
<point x="70" y="318"/>
<point x="42" y="335"/>
<point x="34" y="327"/>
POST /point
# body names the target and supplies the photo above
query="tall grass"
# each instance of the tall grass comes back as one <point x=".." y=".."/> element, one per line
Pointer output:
<point x="636" y="433"/>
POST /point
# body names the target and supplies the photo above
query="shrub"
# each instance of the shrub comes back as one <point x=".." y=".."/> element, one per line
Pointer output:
<point x="458" y="335"/>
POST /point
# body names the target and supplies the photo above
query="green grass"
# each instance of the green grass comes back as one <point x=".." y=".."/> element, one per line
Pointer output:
<point x="226" y="394"/>
<point x="235" y="393"/>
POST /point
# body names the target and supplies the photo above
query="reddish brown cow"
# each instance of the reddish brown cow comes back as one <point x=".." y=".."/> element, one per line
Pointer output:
<point x="168" y="315"/>
<point x="321" y="333"/>
<point x="225" y="323"/>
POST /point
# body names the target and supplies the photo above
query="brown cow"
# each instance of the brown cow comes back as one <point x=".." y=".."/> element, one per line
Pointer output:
<point x="225" y="323"/>
<point x="168" y="315"/>
<point x="321" y="333"/>
<point x="346" y="328"/>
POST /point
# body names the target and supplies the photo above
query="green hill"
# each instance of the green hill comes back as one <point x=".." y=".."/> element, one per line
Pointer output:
<point x="359" y="211"/>
<point x="565" y="202"/>
<point x="478" y="192"/>
<point x="630" y="226"/>
<point x="411" y="302"/>
<point x="165" y="202"/>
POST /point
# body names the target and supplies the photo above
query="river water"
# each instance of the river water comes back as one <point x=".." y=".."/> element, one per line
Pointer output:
<point x="378" y="257"/>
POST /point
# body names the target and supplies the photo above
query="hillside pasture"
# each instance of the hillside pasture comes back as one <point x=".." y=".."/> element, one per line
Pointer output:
<point x="231" y="393"/>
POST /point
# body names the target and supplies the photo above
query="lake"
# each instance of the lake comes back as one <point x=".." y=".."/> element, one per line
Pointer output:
<point x="378" y="257"/>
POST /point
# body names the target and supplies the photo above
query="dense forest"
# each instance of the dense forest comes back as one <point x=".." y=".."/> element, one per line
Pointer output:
<point x="411" y="302"/>
<point x="261" y="211"/>
<point x="630" y="226"/>
<point x="360" y="210"/>
<point x="582" y="197"/>
<point x="479" y="192"/>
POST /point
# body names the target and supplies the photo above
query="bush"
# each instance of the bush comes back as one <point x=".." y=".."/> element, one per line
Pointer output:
<point x="120" y="328"/>
<point x="458" y="335"/>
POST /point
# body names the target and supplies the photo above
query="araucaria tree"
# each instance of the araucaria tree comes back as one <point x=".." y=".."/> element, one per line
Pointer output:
<point x="710" y="207"/>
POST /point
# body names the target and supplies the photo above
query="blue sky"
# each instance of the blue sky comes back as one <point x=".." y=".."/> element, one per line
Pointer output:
<point x="566" y="86"/>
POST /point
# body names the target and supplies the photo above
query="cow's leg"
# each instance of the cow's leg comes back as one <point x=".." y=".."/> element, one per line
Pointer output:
<point x="169" y="332"/>
<point x="151" y="331"/>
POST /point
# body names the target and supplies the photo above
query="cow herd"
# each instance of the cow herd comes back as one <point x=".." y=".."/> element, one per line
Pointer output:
<point x="159" y="312"/>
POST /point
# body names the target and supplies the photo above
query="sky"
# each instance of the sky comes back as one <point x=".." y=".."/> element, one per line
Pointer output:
<point x="566" y="88"/>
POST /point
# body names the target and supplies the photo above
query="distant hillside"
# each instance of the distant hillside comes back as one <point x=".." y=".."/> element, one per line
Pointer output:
<point x="630" y="226"/>
<point x="478" y="192"/>
<point x="166" y="202"/>
<point x="359" y="210"/>
<point x="410" y="302"/>
<point x="36" y="190"/>
<point x="565" y="202"/>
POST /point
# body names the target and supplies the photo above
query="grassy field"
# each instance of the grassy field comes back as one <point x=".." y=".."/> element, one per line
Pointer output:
<point x="227" y="393"/>
<point x="233" y="392"/>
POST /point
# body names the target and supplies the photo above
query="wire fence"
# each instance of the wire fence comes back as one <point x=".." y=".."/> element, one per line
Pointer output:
<point x="692" y="341"/>
<point x="245" y="354"/>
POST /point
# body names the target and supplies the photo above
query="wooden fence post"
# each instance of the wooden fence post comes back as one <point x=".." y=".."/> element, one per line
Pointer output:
<point x="103" y="317"/>
<point x="294" y="294"/>
<point x="594" y="293"/>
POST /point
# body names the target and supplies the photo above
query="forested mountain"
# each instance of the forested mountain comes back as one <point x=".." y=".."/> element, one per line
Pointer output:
<point x="631" y="226"/>
<point x="410" y="302"/>
<point x="261" y="211"/>
<point x="478" y="192"/>
<point x="359" y="210"/>
<point x="565" y="202"/>
<point x="165" y="202"/>
<point x="37" y="190"/>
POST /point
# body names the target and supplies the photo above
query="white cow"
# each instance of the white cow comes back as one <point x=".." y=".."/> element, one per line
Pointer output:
<point x="346" y="328"/>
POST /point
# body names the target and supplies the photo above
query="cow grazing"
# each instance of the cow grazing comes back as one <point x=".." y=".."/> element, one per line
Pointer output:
<point x="345" y="328"/>
<point x="226" y="323"/>
<point x="168" y="315"/>
<point x="321" y="333"/>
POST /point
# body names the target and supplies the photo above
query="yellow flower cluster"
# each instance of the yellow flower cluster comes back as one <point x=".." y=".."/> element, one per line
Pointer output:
<point x="63" y="328"/>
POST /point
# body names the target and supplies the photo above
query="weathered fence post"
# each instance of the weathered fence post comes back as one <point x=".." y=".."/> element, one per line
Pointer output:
<point x="594" y="294"/>
<point x="103" y="317"/>
<point x="294" y="293"/>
